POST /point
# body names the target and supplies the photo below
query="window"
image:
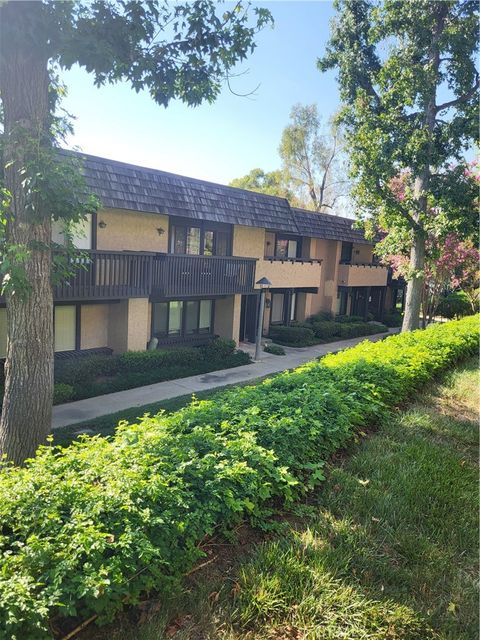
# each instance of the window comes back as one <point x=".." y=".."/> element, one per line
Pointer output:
<point x="81" y="233"/>
<point x="286" y="248"/>
<point x="276" y="315"/>
<point x="3" y="333"/>
<point x="205" y="238"/>
<point x="65" y="323"/>
<point x="293" y="306"/>
<point x="347" y="249"/>
<point x="179" y="318"/>
<point x="342" y="300"/>
<point x="175" y="318"/>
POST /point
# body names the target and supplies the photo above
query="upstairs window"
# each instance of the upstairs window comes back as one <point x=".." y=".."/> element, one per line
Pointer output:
<point x="347" y="250"/>
<point x="286" y="247"/>
<point x="204" y="238"/>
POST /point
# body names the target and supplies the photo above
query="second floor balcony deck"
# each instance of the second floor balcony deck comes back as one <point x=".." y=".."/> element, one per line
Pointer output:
<point x="108" y="275"/>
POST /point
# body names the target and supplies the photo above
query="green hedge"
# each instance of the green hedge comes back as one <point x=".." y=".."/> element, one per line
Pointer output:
<point x="91" y="376"/>
<point x="90" y="527"/>
<point x="315" y="331"/>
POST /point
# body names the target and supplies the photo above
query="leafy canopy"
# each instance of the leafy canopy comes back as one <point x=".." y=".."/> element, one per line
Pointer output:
<point x="389" y="67"/>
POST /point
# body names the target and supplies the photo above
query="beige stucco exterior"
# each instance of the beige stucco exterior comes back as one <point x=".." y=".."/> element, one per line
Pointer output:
<point x="248" y="242"/>
<point x="131" y="231"/>
<point x="227" y="317"/>
<point x="362" y="276"/>
<point x="129" y="325"/>
<point x="289" y="274"/>
<point x="94" y="325"/>
<point x="362" y="253"/>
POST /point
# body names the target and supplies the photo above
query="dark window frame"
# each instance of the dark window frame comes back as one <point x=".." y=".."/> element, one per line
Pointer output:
<point x="288" y="237"/>
<point x="346" y="252"/>
<point x="183" y="323"/>
<point x="204" y="226"/>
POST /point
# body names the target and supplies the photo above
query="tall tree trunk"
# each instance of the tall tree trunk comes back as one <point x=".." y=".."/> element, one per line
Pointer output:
<point x="413" y="302"/>
<point x="24" y="82"/>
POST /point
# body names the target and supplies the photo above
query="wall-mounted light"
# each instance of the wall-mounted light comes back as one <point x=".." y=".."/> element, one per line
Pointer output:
<point x="268" y="243"/>
<point x="268" y="303"/>
<point x="102" y="224"/>
<point x="160" y="231"/>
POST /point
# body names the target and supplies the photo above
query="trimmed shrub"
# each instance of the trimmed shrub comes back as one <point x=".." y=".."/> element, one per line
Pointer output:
<point x="393" y="319"/>
<point x="349" y="319"/>
<point x="296" y="336"/>
<point x="275" y="349"/>
<point x="62" y="393"/>
<point x="87" y="528"/>
<point x="326" y="330"/>
<point x="321" y="316"/>
<point x="218" y="349"/>
<point x="455" y="305"/>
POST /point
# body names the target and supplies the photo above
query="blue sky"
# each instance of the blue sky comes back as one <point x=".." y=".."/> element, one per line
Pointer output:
<point x="225" y="140"/>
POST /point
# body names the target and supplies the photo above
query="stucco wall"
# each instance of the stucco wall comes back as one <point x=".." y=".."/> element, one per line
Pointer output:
<point x="129" y="325"/>
<point x="131" y="231"/>
<point x="358" y="276"/>
<point x="362" y="253"/>
<point x="248" y="242"/>
<point x="325" y="300"/>
<point x="289" y="274"/>
<point x="227" y="317"/>
<point x="94" y="325"/>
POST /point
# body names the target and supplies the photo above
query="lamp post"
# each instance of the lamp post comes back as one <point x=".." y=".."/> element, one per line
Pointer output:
<point x="264" y="284"/>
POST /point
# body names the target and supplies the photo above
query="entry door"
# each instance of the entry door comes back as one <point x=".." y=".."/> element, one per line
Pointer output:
<point x="248" y="318"/>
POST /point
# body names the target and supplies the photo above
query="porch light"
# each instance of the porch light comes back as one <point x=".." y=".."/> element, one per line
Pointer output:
<point x="102" y="224"/>
<point x="264" y="284"/>
<point x="160" y="231"/>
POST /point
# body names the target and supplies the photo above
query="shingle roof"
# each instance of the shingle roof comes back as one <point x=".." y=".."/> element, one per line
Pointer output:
<point x="323" y="225"/>
<point x="125" y="186"/>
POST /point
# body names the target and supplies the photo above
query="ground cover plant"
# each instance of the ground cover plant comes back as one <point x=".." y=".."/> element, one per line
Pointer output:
<point x="92" y="527"/>
<point x="387" y="548"/>
<point x="96" y="375"/>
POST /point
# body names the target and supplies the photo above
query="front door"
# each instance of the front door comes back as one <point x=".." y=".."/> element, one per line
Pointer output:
<point x="248" y="318"/>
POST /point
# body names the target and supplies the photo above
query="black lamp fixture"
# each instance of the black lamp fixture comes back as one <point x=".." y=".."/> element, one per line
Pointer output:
<point x="102" y="224"/>
<point x="264" y="284"/>
<point x="160" y="231"/>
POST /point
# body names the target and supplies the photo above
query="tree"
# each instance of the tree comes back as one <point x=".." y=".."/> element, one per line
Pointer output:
<point x="182" y="51"/>
<point x="408" y="84"/>
<point x="450" y="264"/>
<point x="272" y="183"/>
<point x="311" y="158"/>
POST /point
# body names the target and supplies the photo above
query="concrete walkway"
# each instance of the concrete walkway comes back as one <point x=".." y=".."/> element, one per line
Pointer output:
<point x="73" y="412"/>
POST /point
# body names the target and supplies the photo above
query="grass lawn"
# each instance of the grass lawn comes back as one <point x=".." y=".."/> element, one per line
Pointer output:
<point x="386" y="549"/>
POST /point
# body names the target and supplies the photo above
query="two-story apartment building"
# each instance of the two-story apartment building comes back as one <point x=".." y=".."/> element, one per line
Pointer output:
<point x="178" y="259"/>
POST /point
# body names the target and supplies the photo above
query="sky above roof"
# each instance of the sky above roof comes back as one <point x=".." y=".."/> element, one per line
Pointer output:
<point x="225" y="140"/>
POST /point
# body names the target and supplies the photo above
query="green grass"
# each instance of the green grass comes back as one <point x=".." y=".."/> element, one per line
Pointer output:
<point x="387" y="549"/>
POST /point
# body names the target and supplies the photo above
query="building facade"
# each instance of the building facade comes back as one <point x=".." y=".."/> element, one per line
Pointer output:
<point x="178" y="259"/>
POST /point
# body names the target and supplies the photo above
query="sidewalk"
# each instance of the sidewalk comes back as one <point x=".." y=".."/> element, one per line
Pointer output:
<point x="73" y="412"/>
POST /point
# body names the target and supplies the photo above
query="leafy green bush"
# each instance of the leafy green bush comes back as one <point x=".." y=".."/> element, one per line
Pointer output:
<point x="90" y="527"/>
<point x="349" y="319"/>
<point x="97" y="375"/>
<point x="358" y="329"/>
<point x="321" y="316"/>
<point x="298" y="336"/>
<point x="455" y="305"/>
<point x="62" y="393"/>
<point x="326" y="330"/>
<point x="275" y="349"/>
<point x="393" y="319"/>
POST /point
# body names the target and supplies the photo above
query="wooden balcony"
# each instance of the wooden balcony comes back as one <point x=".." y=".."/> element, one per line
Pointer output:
<point x="106" y="275"/>
<point x="186" y="275"/>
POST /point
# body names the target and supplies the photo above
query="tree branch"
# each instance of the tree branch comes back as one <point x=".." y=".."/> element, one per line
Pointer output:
<point x="460" y="99"/>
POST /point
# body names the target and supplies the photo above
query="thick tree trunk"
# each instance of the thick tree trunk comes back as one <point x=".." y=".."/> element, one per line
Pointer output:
<point x="24" y="81"/>
<point x="413" y="301"/>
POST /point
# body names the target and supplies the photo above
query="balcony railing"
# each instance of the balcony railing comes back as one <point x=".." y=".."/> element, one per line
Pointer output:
<point x="106" y="274"/>
<point x="185" y="275"/>
<point x="97" y="275"/>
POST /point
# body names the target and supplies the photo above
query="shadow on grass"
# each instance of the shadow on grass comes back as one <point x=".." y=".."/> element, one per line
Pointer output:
<point x="386" y="549"/>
